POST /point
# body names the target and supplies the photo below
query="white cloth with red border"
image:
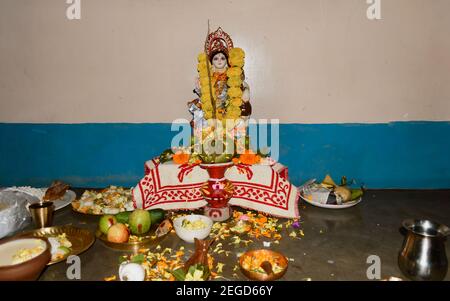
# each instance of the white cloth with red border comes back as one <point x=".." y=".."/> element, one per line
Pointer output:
<point x="264" y="188"/>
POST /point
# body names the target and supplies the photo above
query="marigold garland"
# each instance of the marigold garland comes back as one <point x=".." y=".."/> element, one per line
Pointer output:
<point x="234" y="83"/>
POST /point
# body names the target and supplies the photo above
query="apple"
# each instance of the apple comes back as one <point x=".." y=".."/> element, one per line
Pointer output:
<point x="106" y="221"/>
<point x="118" y="233"/>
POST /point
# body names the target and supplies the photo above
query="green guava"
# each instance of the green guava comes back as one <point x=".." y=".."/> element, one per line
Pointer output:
<point x="139" y="221"/>
<point x="106" y="221"/>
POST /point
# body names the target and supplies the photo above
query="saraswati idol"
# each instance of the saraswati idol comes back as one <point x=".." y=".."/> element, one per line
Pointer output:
<point x="218" y="167"/>
<point x="220" y="115"/>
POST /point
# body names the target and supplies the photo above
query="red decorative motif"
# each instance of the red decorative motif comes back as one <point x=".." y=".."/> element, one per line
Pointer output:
<point x="245" y="169"/>
<point x="185" y="169"/>
<point x="218" y="213"/>
<point x="284" y="173"/>
<point x="276" y="194"/>
<point x="215" y="213"/>
<point x="155" y="163"/>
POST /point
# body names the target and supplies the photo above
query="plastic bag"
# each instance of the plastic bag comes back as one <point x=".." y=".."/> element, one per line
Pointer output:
<point x="14" y="215"/>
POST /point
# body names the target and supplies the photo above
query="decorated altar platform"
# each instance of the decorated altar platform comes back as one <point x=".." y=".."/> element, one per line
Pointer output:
<point x="263" y="188"/>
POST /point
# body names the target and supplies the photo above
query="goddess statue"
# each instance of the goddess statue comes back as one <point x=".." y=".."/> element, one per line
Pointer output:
<point x="236" y="174"/>
<point x="220" y="85"/>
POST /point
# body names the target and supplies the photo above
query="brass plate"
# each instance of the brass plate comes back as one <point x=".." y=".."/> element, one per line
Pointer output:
<point x="81" y="239"/>
<point x="261" y="276"/>
<point x="132" y="246"/>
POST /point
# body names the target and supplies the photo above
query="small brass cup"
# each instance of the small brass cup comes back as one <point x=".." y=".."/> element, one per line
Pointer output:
<point x="42" y="214"/>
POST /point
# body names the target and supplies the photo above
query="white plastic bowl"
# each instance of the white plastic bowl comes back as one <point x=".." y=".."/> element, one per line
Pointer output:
<point x="190" y="235"/>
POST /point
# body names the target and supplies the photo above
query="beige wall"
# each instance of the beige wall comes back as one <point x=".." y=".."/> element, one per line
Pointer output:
<point x="308" y="61"/>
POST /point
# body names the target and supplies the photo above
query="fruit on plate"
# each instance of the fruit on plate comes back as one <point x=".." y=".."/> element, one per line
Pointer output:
<point x="343" y="194"/>
<point x="118" y="233"/>
<point x="60" y="246"/>
<point x="139" y="221"/>
<point x="328" y="182"/>
<point x="106" y="221"/>
<point x="357" y="193"/>
<point x="123" y="217"/>
<point x="157" y="216"/>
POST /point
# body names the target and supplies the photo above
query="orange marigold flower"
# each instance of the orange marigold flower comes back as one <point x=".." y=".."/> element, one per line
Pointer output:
<point x="162" y="265"/>
<point x="210" y="261"/>
<point x="181" y="158"/>
<point x="267" y="234"/>
<point x="262" y="219"/>
<point x="249" y="157"/>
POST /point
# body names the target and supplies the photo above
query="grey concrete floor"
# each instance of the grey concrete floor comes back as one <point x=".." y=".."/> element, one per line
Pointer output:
<point x="335" y="246"/>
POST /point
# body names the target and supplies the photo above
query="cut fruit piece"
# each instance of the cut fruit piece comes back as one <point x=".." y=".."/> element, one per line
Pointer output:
<point x="329" y="181"/>
<point x="343" y="194"/>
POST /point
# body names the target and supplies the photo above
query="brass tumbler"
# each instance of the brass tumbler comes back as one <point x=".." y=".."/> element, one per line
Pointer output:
<point x="42" y="214"/>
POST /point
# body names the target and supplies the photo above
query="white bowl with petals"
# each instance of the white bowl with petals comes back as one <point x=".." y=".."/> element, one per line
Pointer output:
<point x="189" y="235"/>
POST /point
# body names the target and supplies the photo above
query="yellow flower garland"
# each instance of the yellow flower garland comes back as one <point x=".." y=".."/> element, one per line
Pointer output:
<point x="234" y="83"/>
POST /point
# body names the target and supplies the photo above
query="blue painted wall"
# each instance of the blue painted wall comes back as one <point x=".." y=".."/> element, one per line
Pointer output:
<point x="393" y="155"/>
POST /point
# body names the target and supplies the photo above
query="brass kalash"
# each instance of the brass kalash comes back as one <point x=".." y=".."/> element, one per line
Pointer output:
<point x="423" y="254"/>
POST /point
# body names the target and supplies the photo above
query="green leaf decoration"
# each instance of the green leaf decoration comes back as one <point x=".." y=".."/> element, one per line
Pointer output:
<point x="178" y="274"/>
<point x="139" y="258"/>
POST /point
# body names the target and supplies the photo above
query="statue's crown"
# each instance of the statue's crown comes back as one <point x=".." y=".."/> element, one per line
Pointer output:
<point x="218" y="40"/>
